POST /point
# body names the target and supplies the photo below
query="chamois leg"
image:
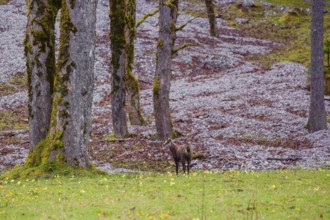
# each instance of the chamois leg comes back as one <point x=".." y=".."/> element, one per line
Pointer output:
<point x="177" y="167"/>
<point x="184" y="166"/>
<point x="188" y="166"/>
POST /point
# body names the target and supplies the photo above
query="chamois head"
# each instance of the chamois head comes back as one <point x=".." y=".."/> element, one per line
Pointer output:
<point x="167" y="142"/>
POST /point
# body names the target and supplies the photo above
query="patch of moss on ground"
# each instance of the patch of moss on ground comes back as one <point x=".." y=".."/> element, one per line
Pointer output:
<point x="195" y="8"/>
<point x="292" y="3"/>
<point x="15" y="84"/>
<point x="13" y="120"/>
<point x="291" y="30"/>
<point x="110" y="137"/>
<point x="10" y="140"/>
<point x="49" y="169"/>
<point x="292" y="18"/>
<point x="4" y="2"/>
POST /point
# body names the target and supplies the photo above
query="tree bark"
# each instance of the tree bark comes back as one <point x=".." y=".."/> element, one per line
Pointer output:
<point x="162" y="83"/>
<point x="40" y="62"/>
<point x="118" y="61"/>
<point x="317" y="115"/>
<point x="70" y="126"/>
<point x="211" y="16"/>
<point x="132" y="85"/>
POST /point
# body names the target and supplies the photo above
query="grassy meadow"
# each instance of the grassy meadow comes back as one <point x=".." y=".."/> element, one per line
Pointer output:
<point x="288" y="194"/>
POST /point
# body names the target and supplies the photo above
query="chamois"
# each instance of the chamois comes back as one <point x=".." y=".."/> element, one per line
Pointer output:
<point x="181" y="153"/>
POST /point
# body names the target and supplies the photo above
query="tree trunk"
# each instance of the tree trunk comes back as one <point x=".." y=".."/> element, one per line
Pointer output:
<point x="40" y="62"/>
<point x="118" y="61"/>
<point x="70" y="126"/>
<point x="211" y="16"/>
<point x="327" y="85"/>
<point x="132" y="85"/>
<point x="161" y="90"/>
<point x="317" y="116"/>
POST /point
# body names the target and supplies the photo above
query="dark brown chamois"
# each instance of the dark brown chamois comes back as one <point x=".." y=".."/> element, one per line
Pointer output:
<point x="181" y="153"/>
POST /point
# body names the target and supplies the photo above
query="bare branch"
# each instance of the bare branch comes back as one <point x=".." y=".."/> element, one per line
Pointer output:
<point x="146" y="16"/>
<point x="169" y="3"/>
<point x="185" y="24"/>
<point x="176" y="50"/>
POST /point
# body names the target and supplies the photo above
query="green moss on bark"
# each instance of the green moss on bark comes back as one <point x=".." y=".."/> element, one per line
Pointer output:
<point x="155" y="89"/>
<point x="27" y="50"/>
<point x="160" y="43"/>
<point x="117" y="33"/>
<point x="43" y="39"/>
<point x="134" y="112"/>
<point x="67" y="28"/>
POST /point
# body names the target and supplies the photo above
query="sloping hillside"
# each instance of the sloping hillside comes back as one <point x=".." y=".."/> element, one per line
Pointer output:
<point x="235" y="112"/>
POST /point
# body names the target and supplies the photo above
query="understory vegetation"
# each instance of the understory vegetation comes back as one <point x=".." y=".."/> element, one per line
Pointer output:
<point x="294" y="194"/>
<point x="286" y="22"/>
<point x="3" y="2"/>
<point x="15" y="84"/>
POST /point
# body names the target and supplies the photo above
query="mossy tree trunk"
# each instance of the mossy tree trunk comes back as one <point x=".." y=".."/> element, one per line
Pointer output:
<point x="162" y="83"/>
<point x="70" y="125"/>
<point x="317" y="115"/>
<point x="40" y="62"/>
<point x="212" y="19"/>
<point x="118" y="62"/>
<point x="132" y="85"/>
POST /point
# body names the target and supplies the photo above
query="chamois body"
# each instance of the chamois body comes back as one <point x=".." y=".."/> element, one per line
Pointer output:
<point x="181" y="153"/>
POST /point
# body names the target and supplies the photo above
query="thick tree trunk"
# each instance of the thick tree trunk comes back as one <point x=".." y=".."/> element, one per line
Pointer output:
<point x="162" y="83"/>
<point x="70" y="127"/>
<point x="317" y="115"/>
<point x="132" y="85"/>
<point x="118" y="61"/>
<point x="40" y="62"/>
<point x="211" y="16"/>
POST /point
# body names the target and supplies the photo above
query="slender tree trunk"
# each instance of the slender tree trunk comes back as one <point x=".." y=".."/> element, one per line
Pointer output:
<point x="162" y="83"/>
<point x="40" y="62"/>
<point x="118" y="61"/>
<point x="211" y="16"/>
<point x="317" y="116"/>
<point x="70" y="126"/>
<point x="132" y="85"/>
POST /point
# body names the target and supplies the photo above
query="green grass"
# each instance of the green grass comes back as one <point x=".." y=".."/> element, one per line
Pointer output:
<point x="295" y="194"/>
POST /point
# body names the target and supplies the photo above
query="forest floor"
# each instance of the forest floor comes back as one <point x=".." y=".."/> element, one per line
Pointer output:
<point x="236" y="110"/>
